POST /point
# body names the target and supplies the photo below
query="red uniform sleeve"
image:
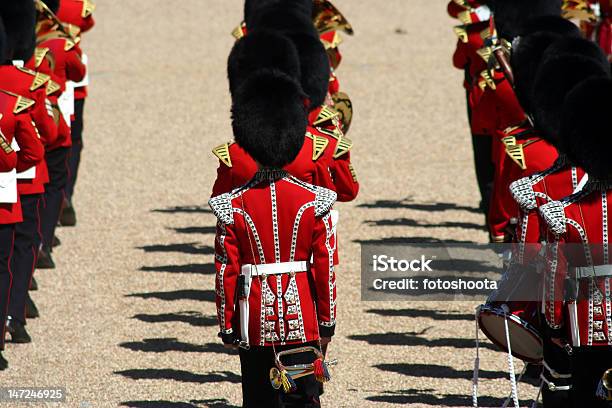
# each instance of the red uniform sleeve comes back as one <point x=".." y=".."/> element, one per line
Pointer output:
<point x="75" y="69"/>
<point x="8" y="161"/>
<point x="227" y="265"/>
<point x="223" y="183"/>
<point x="460" y="60"/>
<point x="345" y="180"/>
<point x="503" y="207"/>
<point x="43" y="117"/>
<point x="324" y="275"/>
<point x="31" y="148"/>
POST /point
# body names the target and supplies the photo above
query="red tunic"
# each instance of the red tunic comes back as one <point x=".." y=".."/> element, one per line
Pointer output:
<point x="532" y="155"/>
<point x="16" y="123"/>
<point x="78" y="13"/>
<point x="236" y="167"/>
<point x="578" y="230"/>
<point x="466" y="53"/>
<point x="530" y="193"/>
<point x="324" y="123"/>
<point x="276" y="218"/>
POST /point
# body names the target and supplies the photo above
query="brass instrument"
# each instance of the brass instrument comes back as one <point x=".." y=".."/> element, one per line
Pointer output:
<point x="604" y="390"/>
<point x="46" y="11"/>
<point x="284" y="377"/>
<point x="326" y="17"/>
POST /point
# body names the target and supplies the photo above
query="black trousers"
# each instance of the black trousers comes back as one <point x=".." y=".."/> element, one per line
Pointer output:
<point x="588" y="366"/>
<point x="558" y="360"/>
<point x="76" y="133"/>
<point x="54" y="192"/>
<point x="257" y="392"/>
<point x="24" y="255"/>
<point x="7" y="234"/>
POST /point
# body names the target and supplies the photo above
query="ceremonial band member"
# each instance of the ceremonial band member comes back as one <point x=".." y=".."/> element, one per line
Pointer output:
<point x="275" y="280"/>
<point x="17" y="132"/>
<point x="31" y="183"/>
<point x="68" y="67"/>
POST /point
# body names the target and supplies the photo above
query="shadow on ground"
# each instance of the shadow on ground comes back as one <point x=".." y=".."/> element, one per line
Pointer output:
<point x="428" y="397"/>
<point x="164" y="345"/>
<point x="185" y="294"/>
<point x="210" y="403"/>
<point x="202" y="269"/>
<point x="180" y="375"/>
<point x="192" y="318"/>
<point x="409" y="339"/>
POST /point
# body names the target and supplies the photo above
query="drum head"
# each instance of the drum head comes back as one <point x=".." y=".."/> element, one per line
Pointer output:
<point x="525" y="341"/>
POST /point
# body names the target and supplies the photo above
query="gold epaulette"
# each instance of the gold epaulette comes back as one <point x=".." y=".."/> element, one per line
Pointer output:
<point x="515" y="151"/>
<point x="53" y="87"/>
<point x="353" y="173"/>
<point x="485" y="53"/>
<point x="486" y="80"/>
<point x="486" y="34"/>
<point x="461" y="33"/>
<point x="22" y="103"/>
<point x="39" y="55"/>
<point x="344" y="106"/>
<point x="40" y="79"/>
<point x="319" y="144"/>
<point x="462" y="3"/>
<point x="335" y="42"/>
<point x="465" y="17"/>
<point x="4" y="144"/>
<point x="326" y="114"/>
<point x="326" y="17"/>
<point x="223" y="154"/>
<point x="71" y="43"/>
<point x="88" y="8"/>
<point x="73" y="30"/>
<point x="343" y="146"/>
<point x="238" y="32"/>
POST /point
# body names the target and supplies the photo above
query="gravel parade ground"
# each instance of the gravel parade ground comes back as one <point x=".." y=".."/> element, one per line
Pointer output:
<point x="128" y="316"/>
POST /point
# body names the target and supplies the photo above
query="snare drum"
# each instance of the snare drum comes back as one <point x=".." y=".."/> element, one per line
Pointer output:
<point x="516" y="301"/>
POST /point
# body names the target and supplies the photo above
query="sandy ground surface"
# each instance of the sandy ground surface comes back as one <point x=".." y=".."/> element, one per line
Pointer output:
<point x="128" y="315"/>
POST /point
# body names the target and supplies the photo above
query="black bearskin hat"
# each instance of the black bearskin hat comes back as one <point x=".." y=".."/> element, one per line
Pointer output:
<point x="586" y="130"/>
<point x="52" y="4"/>
<point x="535" y="36"/>
<point x="509" y="15"/>
<point x="565" y="64"/>
<point x="259" y="50"/>
<point x="294" y="19"/>
<point x="269" y="118"/>
<point x="19" y="21"/>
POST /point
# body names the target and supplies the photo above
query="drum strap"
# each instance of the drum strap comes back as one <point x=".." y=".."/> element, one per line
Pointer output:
<point x="476" y="368"/>
<point x="514" y="391"/>
<point x="596" y="271"/>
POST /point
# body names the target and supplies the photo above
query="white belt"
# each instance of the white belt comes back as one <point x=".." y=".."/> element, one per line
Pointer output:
<point x="275" y="268"/>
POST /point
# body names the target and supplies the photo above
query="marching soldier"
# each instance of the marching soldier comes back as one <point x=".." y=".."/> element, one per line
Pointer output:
<point x="578" y="276"/>
<point x="275" y="280"/>
<point x="68" y="67"/>
<point x="76" y="13"/>
<point x="497" y="111"/>
<point x="20" y="149"/>
<point x="535" y="190"/>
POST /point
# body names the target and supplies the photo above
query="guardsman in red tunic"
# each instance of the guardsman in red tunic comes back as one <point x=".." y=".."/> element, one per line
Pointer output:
<point x="530" y="60"/>
<point x="275" y="280"/>
<point x="31" y="183"/>
<point x="20" y="149"/>
<point x="68" y="67"/>
<point x="77" y="13"/>
<point x="577" y="298"/>
<point x="236" y="166"/>
<point x="497" y="111"/>
<point x="472" y="34"/>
